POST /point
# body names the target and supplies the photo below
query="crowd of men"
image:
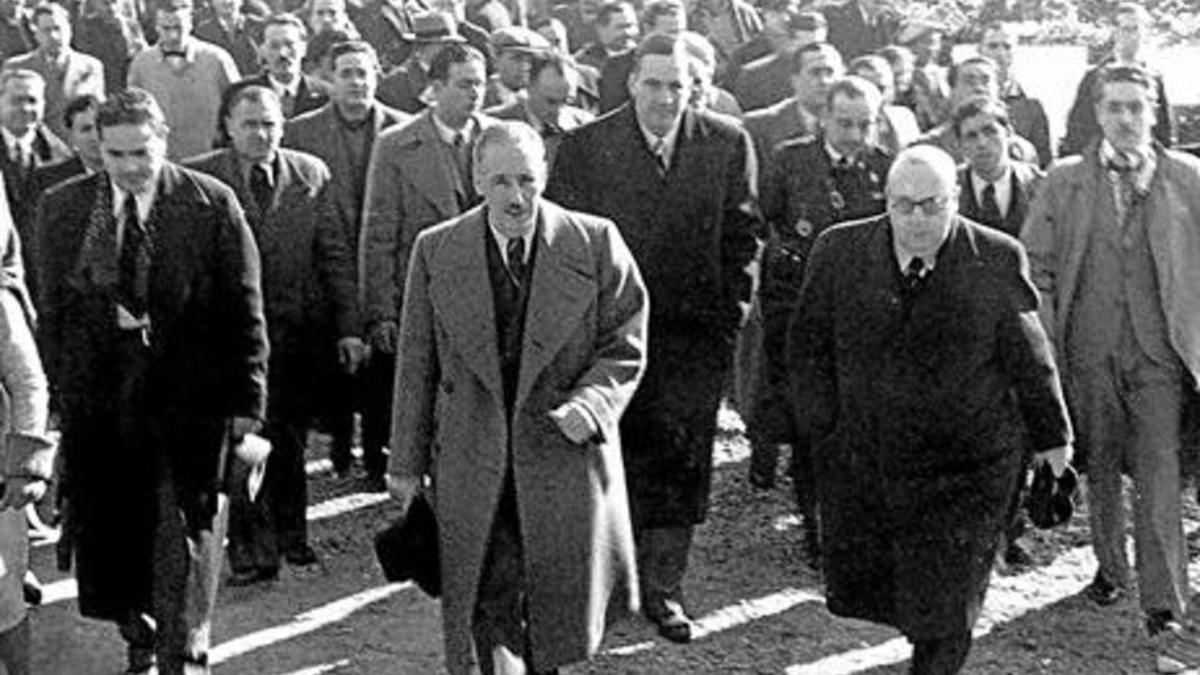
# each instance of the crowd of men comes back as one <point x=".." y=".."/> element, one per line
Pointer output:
<point x="523" y="252"/>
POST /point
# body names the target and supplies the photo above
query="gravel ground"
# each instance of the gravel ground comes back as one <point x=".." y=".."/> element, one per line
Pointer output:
<point x="757" y="600"/>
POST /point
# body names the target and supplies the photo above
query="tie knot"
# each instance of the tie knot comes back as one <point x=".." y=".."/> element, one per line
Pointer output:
<point x="916" y="267"/>
<point x="1124" y="162"/>
<point x="129" y="208"/>
<point x="516" y="251"/>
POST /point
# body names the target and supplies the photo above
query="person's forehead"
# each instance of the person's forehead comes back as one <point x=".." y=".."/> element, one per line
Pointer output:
<point x="169" y="19"/>
<point x="280" y="31"/>
<point x="916" y="180"/>
<point x="1124" y="91"/>
<point x="353" y="60"/>
<point x="128" y="137"/>
<point x="50" y="20"/>
<point x="508" y="157"/>
<point x="663" y="66"/>
<point x="249" y="108"/>
<point x="982" y="120"/>
<point x="844" y="105"/>
<point x="472" y="68"/>
<point x="821" y="58"/>
<point x="84" y="119"/>
<point x="1128" y="20"/>
<point x="976" y="70"/>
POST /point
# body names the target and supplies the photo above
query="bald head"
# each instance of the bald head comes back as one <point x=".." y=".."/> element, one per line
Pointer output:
<point x="922" y="199"/>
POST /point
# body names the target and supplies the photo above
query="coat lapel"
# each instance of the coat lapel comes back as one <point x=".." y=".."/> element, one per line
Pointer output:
<point x="436" y="180"/>
<point x="561" y="291"/>
<point x="462" y="295"/>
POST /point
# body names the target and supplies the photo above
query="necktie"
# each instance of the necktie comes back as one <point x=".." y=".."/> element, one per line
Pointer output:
<point x="990" y="208"/>
<point x="914" y="275"/>
<point x="260" y="188"/>
<point x="516" y="260"/>
<point x="660" y="155"/>
<point x="131" y="293"/>
<point x="1126" y="166"/>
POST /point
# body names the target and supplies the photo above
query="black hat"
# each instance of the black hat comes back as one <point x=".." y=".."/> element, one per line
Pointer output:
<point x="408" y="548"/>
<point x="1051" y="500"/>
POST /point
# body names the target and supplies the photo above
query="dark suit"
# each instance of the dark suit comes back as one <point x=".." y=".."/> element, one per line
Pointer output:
<point x="1029" y="121"/>
<point x="1025" y="178"/>
<point x="16" y="37"/>
<point x="693" y="231"/>
<point x="19" y="182"/>
<point x="764" y="82"/>
<point x="158" y="411"/>
<point x="803" y="197"/>
<point x="309" y="95"/>
<point x="614" y="81"/>
<point x="1082" y="127"/>
<point x="402" y="88"/>
<point x="773" y="125"/>
<point x="918" y="405"/>
<point x="309" y="302"/>
<point x="383" y="24"/>
<point x="320" y="133"/>
<point x="105" y="39"/>
<point x="239" y="42"/>
<point x="42" y="179"/>
<point x="569" y="118"/>
<point x="854" y="34"/>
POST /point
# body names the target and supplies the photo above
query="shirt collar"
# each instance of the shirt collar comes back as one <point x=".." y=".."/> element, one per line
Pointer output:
<point x="268" y="164"/>
<point x="144" y="200"/>
<point x="11" y="139"/>
<point x="668" y="140"/>
<point x="903" y="257"/>
<point x="1145" y="155"/>
<point x="447" y="134"/>
<point x="979" y="183"/>
<point x="502" y="241"/>
<point x="291" y="89"/>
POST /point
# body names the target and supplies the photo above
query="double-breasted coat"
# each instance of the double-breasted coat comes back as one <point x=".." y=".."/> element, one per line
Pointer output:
<point x="917" y="411"/>
<point x="207" y="362"/>
<point x="694" y="231"/>
<point x="584" y="341"/>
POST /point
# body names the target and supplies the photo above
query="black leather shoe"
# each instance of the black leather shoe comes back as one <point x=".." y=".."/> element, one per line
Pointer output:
<point x="1103" y="592"/>
<point x="252" y="576"/>
<point x="301" y="557"/>
<point x="673" y="622"/>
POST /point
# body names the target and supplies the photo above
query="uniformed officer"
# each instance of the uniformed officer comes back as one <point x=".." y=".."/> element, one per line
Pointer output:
<point x="816" y="181"/>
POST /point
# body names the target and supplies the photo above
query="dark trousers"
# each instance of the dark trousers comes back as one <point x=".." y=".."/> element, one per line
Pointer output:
<point x="943" y="656"/>
<point x="662" y="557"/>
<point x="370" y="392"/>
<point x="275" y="523"/>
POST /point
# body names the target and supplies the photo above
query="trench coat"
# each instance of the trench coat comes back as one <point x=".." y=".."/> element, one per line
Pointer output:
<point x="694" y="233"/>
<point x="584" y="341"/>
<point x="918" y="413"/>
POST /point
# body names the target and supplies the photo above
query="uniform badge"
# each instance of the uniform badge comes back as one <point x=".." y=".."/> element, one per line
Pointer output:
<point x="804" y="227"/>
<point x="837" y="201"/>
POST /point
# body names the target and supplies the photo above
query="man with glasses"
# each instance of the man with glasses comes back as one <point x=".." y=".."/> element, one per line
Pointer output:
<point x="920" y="374"/>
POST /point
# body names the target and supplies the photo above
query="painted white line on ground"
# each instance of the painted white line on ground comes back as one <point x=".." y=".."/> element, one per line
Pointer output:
<point x="1008" y="599"/>
<point x="321" y="669"/>
<point x="59" y="591"/>
<point x="312" y="620"/>
<point x="331" y="508"/>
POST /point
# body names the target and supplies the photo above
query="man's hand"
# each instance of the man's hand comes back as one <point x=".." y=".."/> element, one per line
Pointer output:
<point x="240" y="426"/>
<point x="382" y="336"/>
<point x="1056" y="457"/>
<point x="22" y="490"/>
<point x="351" y="353"/>
<point x="403" y="489"/>
<point x="574" y="421"/>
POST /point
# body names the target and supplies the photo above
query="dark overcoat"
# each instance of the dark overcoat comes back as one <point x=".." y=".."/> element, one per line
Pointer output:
<point x="207" y="363"/>
<point x="584" y="342"/>
<point x="917" y="412"/>
<point x="308" y="273"/>
<point x="694" y="233"/>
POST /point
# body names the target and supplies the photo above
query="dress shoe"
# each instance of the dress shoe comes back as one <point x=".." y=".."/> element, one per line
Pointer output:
<point x="253" y="576"/>
<point x="1102" y="591"/>
<point x="673" y="622"/>
<point x="302" y="556"/>
<point x="1176" y="646"/>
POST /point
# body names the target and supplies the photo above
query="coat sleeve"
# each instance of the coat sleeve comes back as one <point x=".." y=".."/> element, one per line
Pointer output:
<point x="620" y="355"/>
<point x="335" y="262"/>
<point x="741" y="230"/>
<point x="418" y="374"/>
<point x="1026" y="357"/>
<point x="811" y="357"/>
<point x="566" y="176"/>
<point x="241" y="303"/>
<point x="383" y="214"/>
<point x="1038" y="235"/>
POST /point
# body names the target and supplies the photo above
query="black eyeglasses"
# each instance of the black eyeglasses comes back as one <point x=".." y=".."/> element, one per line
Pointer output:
<point x="930" y="206"/>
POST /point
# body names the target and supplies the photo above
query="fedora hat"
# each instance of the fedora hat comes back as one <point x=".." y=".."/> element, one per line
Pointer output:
<point x="519" y="39"/>
<point x="432" y="27"/>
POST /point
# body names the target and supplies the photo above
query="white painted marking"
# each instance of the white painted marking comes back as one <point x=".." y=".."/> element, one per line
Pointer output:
<point x="321" y="669"/>
<point x="312" y="620"/>
<point x="1008" y="599"/>
<point x="59" y="591"/>
<point x="338" y="506"/>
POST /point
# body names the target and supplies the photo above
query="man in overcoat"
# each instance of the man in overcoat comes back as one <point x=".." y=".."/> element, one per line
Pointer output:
<point x="523" y="337"/>
<point x="681" y="186"/>
<point x="309" y="299"/>
<point x="918" y="367"/>
<point x="1112" y="238"/>
<point x="153" y="337"/>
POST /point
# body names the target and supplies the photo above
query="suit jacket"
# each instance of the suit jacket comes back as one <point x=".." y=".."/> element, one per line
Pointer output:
<point x="584" y="342"/>
<point x="1082" y="127"/>
<point x="83" y="75"/>
<point x="309" y="292"/>
<point x="1030" y="122"/>
<point x="309" y="96"/>
<point x="694" y="231"/>
<point x="402" y="88"/>
<point x="1026" y="180"/>
<point x="919" y="409"/>
<point x="853" y="34"/>
<point x="16" y="37"/>
<point x="764" y="82"/>
<point x="317" y="133"/>
<point x="42" y="179"/>
<point x="1069" y="204"/>
<point x="773" y="125"/>
<point x="410" y="186"/>
<point x="943" y="136"/>
<point x="569" y="118"/>
<point x="106" y="39"/>
<point x="21" y="185"/>
<point x="614" y="81"/>
<point x="240" y="42"/>
<point x="206" y="362"/>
